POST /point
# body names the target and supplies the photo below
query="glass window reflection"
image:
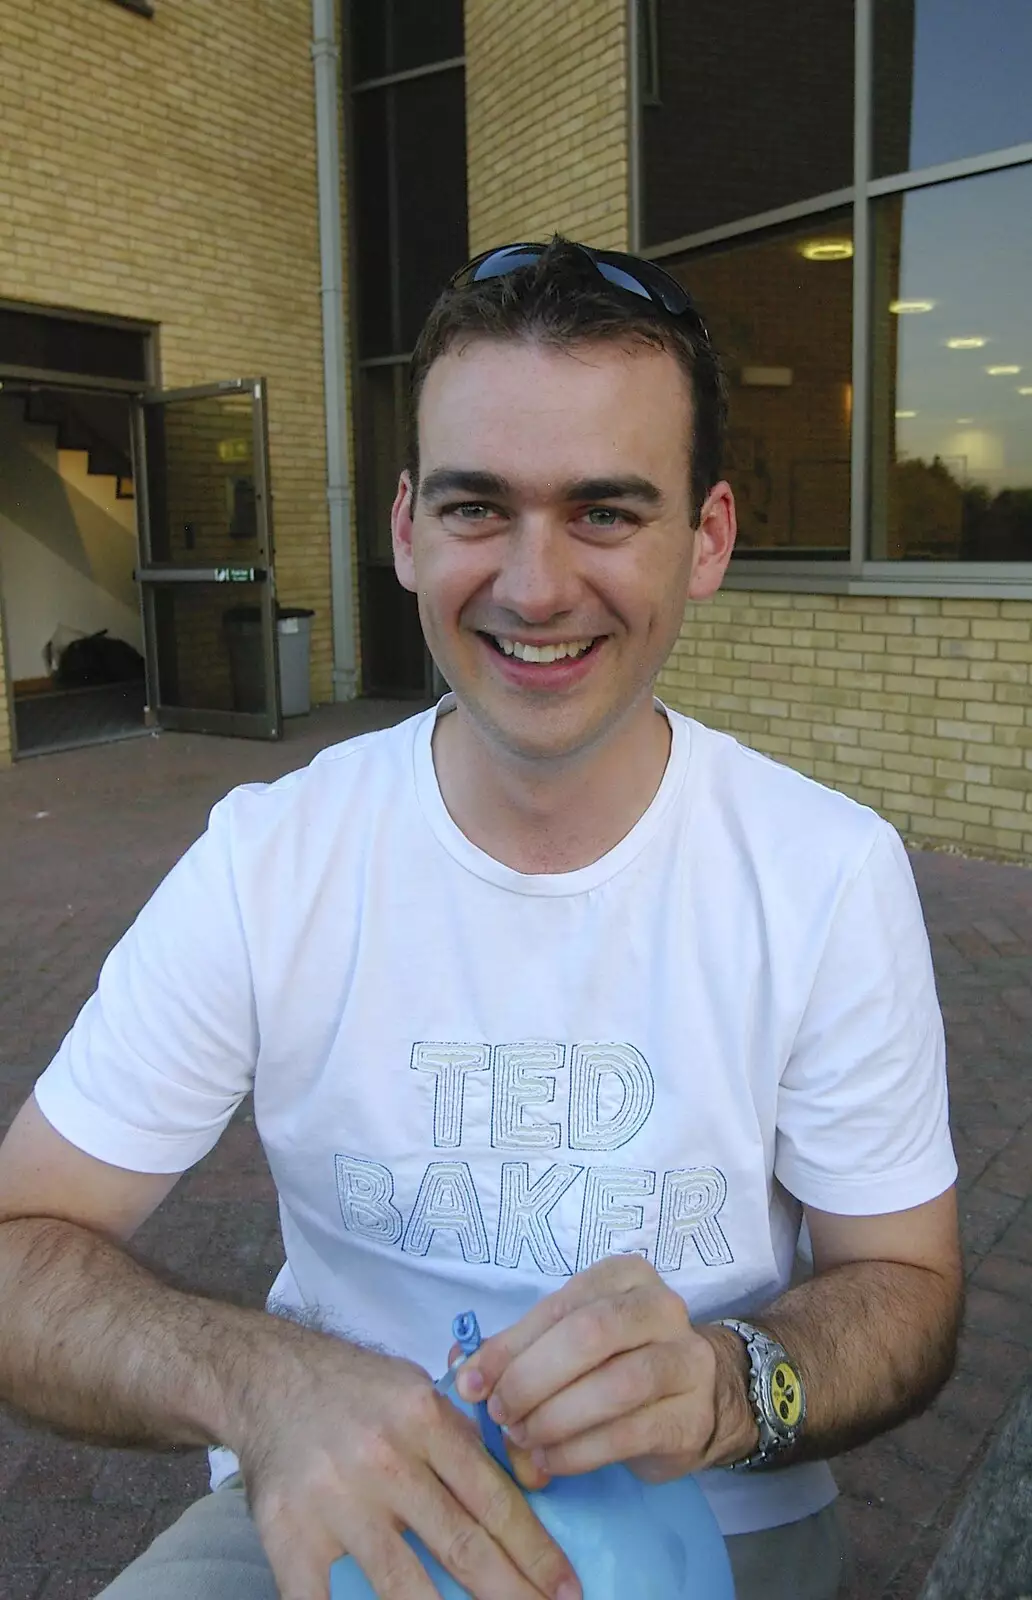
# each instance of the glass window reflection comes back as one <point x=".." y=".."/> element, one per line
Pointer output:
<point x="431" y="180"/>
<point x="383" y="411"/>
<point x="951" y="80"/>
<point x="776" y="127"/>
<point x="951" y="470"/>
<point x="395" y="35"/>
<point x="780" y="310"/>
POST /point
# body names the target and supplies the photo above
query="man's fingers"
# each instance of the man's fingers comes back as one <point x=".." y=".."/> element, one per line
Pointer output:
<point x="300" y="1557"/>
<point x="628" y="1382"/>
<point x="494" y="1556"/>
<point x="300" y="1579"/>
<point x="525" y="1469"/>
<point x="392" y="1566"/>
<point x="501" y="1546"/>
<point x="587" y="1338"/>
<point x="614" y="1276"/>
<point x="527" y="1474"/>
<point x="664" y="1429"/>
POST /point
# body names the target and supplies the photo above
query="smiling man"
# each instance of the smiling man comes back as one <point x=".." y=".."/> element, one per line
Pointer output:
<point x="553" y="1003"/>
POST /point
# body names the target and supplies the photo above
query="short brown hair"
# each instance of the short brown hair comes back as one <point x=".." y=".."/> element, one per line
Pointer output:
<point x="560" y="299"/>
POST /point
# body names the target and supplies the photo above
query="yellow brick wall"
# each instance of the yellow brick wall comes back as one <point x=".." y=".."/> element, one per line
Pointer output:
<point x="165" y="169"/>
<point x="920" y="708"/>
<point x="547" y="121"/>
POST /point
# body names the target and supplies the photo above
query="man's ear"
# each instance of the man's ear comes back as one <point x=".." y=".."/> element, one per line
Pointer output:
<point x="714" y="542"/>
<point x="401" y="533"/>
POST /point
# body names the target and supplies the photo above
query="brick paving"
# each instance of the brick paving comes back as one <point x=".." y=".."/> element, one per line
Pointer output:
<point x="85" y="837"/>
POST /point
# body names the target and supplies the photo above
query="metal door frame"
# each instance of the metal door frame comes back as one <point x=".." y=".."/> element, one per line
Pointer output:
<point x="150" y="574"/>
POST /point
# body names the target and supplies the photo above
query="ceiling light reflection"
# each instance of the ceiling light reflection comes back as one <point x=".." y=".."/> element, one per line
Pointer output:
<point x="908" y="308"/>
<point x="966" y="344"/>
<point x="826" y="249"/>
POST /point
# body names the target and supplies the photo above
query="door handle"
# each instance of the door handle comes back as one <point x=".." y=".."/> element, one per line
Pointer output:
<point x="227" y="574"/>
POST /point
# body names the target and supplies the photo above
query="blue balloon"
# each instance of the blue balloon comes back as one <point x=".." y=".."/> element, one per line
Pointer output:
<point x="623" y="1537"/>
<point x="626" y="1540"/>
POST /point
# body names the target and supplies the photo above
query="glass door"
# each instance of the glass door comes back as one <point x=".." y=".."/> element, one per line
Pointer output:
<point x="206" y="576"/>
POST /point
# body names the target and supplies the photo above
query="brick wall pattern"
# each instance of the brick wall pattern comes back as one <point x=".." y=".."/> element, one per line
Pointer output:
<point x="547" y="121"/>
<point x="920" y="708"/>
<point x="165" y="170"/>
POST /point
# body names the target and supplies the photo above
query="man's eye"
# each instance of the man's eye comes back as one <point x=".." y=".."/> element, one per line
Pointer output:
<point x="604" y="517"/>
<point x="468" y="511"/>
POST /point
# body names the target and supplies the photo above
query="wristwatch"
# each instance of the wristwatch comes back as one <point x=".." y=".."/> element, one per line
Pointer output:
<point x="776" y="1394"/>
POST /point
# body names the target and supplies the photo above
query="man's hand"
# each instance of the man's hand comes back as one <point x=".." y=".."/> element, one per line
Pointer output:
<point x="610" y="1368"/>
<point x="607" y="1369"/>
<point x="345" y="1448"/>
<point x="342" y="1449"/>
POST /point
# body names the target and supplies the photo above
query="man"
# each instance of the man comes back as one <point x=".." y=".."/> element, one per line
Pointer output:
<point x="554" y="1004"/>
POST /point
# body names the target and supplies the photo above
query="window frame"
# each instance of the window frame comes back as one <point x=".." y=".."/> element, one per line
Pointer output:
<point x="857" y="574"/>
<point x="372" y="564"/>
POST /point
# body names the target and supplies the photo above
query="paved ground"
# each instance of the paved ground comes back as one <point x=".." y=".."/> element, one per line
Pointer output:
<point x="85" y="836"/>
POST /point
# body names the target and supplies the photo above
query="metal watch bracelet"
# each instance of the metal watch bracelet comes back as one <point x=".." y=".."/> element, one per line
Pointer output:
<point x="776" y="1395"/>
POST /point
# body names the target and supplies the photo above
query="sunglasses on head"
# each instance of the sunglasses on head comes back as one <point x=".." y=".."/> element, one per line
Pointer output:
<point x="625" y="272"/>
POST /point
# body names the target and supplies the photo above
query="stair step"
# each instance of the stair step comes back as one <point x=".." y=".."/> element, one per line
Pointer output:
<point x="95" y="424"/>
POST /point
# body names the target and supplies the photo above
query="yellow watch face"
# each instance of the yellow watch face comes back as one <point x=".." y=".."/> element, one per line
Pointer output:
<point x="787" y="1394"/>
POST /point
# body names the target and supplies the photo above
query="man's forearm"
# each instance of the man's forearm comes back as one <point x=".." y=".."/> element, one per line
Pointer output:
<point x="96" y="1346"/>
<point x="874" y="1342"/>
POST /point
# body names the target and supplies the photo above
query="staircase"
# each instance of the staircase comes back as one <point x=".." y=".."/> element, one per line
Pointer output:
<point x="95" y="424"/>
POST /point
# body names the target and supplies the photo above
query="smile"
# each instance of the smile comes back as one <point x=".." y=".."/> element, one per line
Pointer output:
<point x="561" y="650"/>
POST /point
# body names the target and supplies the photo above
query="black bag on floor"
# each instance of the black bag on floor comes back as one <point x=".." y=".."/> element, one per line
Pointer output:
<point x="98" y="659"/>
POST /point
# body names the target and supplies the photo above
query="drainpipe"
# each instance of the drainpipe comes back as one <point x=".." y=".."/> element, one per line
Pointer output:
<point x="326" y="64"/>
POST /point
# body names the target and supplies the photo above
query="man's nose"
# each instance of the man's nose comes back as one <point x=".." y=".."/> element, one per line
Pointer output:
<point x="537" y="579"/>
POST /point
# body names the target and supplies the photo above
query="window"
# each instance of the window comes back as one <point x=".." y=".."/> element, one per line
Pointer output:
<point x="648" y="53"/>
<point x="780" y="308"/>
<point x="872" y="303"/>
<point x="392" y="36"/>
<point x="431" y="189"/>
<point x="408" y="171"/>
<point x="410" y="204"/>
<point x="952" y="381"/>
<point x="381" y="453"/>
<point x="34" y="340"/>
<point x="951" y="79"/>
<point x="756" y="109"/>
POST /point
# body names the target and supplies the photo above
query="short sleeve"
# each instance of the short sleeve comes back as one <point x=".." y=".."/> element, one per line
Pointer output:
<point x="863" y="1121"/>
<point x="164" y="1050"/>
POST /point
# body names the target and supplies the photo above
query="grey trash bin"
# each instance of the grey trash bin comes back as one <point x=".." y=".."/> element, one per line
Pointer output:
<point x="247" y="667"/>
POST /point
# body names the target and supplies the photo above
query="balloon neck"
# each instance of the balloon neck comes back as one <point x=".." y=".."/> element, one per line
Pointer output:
<point x="467" y="1335"/>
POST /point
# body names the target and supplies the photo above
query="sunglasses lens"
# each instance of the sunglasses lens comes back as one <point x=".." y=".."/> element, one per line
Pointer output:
<point x="638" y="277"/>
<point x="500" y="262"/>
<point x="667" y="291"/>
<point x="622" y="280"/>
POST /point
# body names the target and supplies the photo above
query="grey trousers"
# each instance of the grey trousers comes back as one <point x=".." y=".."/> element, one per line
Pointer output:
<point x="213" y="1553"/>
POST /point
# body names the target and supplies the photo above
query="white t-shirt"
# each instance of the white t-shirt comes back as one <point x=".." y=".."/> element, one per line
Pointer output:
<point x="471" y="1082"/>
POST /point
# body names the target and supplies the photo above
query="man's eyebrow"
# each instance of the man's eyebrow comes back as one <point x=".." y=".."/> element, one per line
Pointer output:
<point x="457" y="480"/>
<point x="491" y="486"/>
<point x="624" y="488"/>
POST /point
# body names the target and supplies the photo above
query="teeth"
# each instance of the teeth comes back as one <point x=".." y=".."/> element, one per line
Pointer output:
<point x="543" y="652"/>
